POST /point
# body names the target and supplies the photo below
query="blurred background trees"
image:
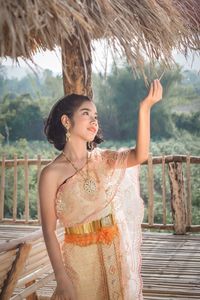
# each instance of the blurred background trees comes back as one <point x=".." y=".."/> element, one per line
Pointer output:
<point x="175" y="122"/>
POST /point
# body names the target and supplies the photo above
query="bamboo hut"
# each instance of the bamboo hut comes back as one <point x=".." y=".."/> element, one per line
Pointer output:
<point x="134" y="28"/>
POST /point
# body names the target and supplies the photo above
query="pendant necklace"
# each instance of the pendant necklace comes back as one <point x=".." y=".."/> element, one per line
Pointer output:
<point x="89" y="185"/>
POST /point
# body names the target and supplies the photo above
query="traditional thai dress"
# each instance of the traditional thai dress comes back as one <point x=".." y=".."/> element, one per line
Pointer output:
<point x="101" y="246"/>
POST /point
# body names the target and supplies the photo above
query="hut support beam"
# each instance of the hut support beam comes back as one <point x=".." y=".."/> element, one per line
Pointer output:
<point x="15" y="271"/>
<point x="178" y="205"/>
<point x="77" y="66"/>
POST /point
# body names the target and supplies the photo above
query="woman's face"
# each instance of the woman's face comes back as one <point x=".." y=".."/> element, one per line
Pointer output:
<point x="85" y="121"/>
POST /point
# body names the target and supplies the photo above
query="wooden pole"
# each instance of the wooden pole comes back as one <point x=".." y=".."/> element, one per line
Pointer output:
<point x="178" y="204"/>
<point x="2" y="190"/>
<point x="164" y="191"/>
<point x="38" y="176"/>
<point x="34" y="287"/>
<point x="26" y="186"/>
<point x="189" y="192"/>
<point x="32" y="296"/>
<point x="76" y="74"/>
<point x="15" y="272"/>
<point x="151" y="191"/>
<point x="15" y="189"/>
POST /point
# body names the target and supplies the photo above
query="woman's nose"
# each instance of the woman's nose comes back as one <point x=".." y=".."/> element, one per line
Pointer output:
<point x="93" y="120"/>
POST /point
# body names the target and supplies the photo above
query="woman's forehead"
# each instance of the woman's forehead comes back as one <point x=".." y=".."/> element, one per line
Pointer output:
<point x="89" y="105"/>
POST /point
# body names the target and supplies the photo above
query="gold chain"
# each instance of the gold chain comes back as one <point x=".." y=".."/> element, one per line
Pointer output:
<point x="90" y="185"/>
<point x="77" y="170"/>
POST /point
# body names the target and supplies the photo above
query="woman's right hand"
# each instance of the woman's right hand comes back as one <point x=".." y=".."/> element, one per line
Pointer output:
<point x="64" y="292"/>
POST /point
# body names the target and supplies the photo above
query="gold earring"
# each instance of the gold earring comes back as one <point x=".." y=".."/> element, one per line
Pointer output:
<point x="67" y="134"/>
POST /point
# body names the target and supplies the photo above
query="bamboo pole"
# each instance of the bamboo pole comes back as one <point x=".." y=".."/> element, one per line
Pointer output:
<point x="177" y="158"/>
<point x="9" y="163"/>
<point x="15" y="272"/>
<point x="33" y="295"/>
<point x="15" y="189"/>
<point x="34" y="287"/>
<point x="38" y="176"/>
<point x="26" y="185"/>
<point x="7" y="255"/>
<point x="32" y="237"/>
<point x="13" y="244"/>
<point x="34" y="275"/>
<point x="19" y="221"/>
<point x="2" y="191"/>
<point x="164" y="190"/>
<point x="189" y="194"/>
<point x="5" y="268"/>
<point x="150" y="189"/>
<point x="31" y="267"/>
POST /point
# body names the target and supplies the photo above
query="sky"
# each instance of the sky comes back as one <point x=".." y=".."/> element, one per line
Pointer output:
<point x="52" y="60"/>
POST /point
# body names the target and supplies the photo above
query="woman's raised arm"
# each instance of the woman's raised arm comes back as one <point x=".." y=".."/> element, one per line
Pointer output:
<point x="141" y="151"/>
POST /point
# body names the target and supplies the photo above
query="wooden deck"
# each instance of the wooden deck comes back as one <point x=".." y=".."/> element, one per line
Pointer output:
<point x="170" y="264"/>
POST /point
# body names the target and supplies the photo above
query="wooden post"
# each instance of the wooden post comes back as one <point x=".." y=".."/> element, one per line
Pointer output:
<point x="164" y="191"/>
<point x="26" y="186"/>
<point x="189" y="192"/>
<point x="38" y="177"/>
<point x="2" y="190"/>
<point x="15" y="189"/>
<point x="151" y="191"/>
<point x="178" y="205"/>
<point x="76" y="74"/>
<point x="33" y="296"/>
<point x="15" y="271"/>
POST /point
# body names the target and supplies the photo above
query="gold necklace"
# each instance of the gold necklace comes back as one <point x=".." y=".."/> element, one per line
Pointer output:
<point x="89" y="183"/>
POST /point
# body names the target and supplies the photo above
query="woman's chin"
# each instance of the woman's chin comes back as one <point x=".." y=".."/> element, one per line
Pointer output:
<point x="89" y="140"/>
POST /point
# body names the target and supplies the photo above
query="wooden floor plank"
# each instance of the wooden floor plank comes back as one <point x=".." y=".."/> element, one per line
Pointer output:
<point x="170" y="264"/>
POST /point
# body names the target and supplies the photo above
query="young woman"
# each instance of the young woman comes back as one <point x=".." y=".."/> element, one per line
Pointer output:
<point x="94" y="193"/>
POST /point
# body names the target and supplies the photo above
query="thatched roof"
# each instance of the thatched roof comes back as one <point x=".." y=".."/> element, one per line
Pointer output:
<point x="137" y="27"/>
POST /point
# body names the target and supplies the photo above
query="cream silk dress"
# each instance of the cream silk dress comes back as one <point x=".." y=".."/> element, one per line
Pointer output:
<point x="104" y="271"/>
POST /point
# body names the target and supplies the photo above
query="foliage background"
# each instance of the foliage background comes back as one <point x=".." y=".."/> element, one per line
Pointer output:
<point x="175" y="125"/>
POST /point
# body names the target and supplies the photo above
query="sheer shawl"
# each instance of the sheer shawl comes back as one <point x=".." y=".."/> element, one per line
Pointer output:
<point x="128" y="208"/>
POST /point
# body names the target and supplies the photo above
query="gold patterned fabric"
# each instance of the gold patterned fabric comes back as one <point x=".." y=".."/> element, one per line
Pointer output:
<point x="98" y="269"/>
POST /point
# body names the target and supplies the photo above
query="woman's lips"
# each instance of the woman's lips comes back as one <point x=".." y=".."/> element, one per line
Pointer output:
<point x="93" y="130"/>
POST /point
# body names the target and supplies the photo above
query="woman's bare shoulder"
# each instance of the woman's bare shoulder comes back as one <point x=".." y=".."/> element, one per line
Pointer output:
<point x="52" y="169"/>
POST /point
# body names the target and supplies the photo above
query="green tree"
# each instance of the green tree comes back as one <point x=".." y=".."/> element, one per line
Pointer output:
<point x="20" y="118"/>
<point x="118" y="97"/>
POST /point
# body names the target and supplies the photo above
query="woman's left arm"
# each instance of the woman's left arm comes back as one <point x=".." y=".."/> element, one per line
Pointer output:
<point x="140" y="153"/>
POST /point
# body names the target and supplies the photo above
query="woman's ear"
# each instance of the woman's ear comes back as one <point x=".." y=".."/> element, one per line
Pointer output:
<point x="65" y="121"/>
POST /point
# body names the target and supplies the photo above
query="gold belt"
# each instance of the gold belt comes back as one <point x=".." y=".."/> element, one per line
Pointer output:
<point x="93" y="226"/>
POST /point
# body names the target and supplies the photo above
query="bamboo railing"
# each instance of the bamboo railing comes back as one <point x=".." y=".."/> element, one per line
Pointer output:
<point x="181" y="203"/>
<point x="25" y="266"/>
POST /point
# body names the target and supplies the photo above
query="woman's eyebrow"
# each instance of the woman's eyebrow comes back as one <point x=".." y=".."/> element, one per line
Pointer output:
<point x="88" y="110"/>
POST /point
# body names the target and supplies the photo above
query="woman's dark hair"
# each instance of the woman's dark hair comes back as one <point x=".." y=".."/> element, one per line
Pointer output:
<point x="54" y="129"/>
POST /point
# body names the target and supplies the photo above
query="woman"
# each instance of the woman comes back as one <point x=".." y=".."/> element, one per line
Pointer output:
<point x="94" y="193"/>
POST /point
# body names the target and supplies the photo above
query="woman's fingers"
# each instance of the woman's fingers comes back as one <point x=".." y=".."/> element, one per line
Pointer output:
<point x="157" y="95"/>
<point x="151" y="90"/>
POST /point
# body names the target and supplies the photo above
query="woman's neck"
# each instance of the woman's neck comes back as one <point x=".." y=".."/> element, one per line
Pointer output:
<point x="76" y="150"/>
